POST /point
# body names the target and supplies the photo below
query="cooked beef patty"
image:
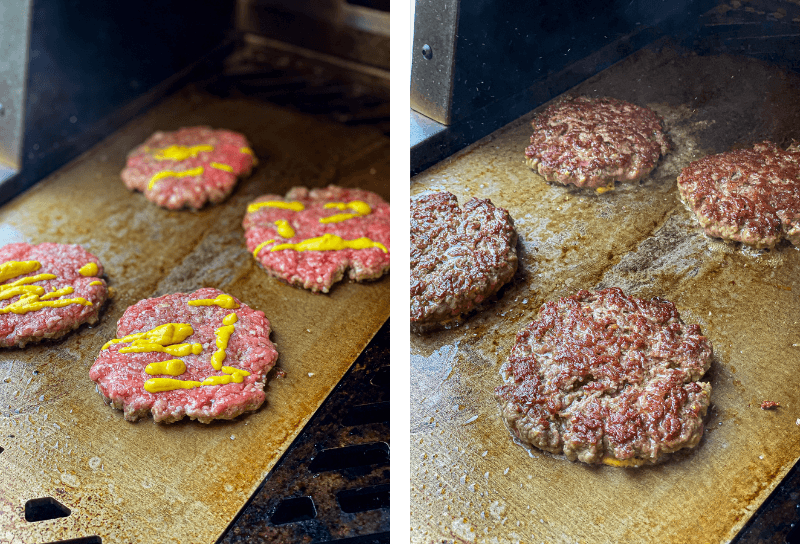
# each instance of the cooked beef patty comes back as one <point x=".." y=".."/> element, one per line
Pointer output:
<point x="459" y="257"/>
<point x="592" y="142"/>
<point x="748" y="195"/>
<point x="604" y="377"/>
<point x="47" y="290"/>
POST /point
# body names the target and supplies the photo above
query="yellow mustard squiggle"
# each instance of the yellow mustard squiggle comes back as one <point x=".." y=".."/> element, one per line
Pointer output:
<point x="222" y="166"/>
<point x="223" y="336"/>
<point x="157" y="385"/>
<point x="173" y="367"/>
<point x="12" y="269"/>
<point x="280" y="204"/>
<point x="180" y="152"/>
<point x="32" y="297"/>
<point x="285" y="230"/>
<point x="172" y="174"/>
<point x="89" y="269"/>
<point x="260" y="246"/>
<point x="57" y="293"/>
<point x="165" y="338"/>
<point x="232" y="374"/>
<point x="223" y="301"/>
<point x="330" y="242"/>
<point x="31" y="304"/>
<point x="360" y="208"/>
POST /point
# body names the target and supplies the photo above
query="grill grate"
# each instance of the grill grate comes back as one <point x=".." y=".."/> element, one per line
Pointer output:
<point x="762" y="29"/>
<point x="332" y="484"/>
<point x="312" y="86"/>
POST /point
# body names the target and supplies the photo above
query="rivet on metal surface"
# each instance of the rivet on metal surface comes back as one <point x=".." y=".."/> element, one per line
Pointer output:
<point x="427" y="52"/>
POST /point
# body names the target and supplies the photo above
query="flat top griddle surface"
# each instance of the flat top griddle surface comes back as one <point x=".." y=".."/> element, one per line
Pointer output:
<point x="184" y="482"/>
<point x="470" y="481"/>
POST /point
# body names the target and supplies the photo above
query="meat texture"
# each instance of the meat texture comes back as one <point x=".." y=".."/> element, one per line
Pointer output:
<point x="312" y="238"/>
<point x="592" y="142"/>
<point x="203" y="355"/>
<point x="47" y="290"/>
<point x="459" y="257"/>
<point x="748" y="195"/>
<point x="605" y="377"/>
<point x="189" y="167"/>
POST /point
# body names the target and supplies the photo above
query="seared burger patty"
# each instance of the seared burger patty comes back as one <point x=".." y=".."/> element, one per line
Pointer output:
<point x="748" y="195"/>
<point x="459" y="257"/>
<point x="591" y="142"/>
<point x="604" y="377"/>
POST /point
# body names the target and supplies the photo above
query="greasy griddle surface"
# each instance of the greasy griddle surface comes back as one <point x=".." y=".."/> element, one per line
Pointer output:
<point x="469" y="481"/>
<point x="184" y="482"/>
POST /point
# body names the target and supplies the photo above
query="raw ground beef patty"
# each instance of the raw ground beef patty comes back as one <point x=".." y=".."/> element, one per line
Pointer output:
<point x="47" y="290"/>
<point x="592" y="142"/>
<point x="747" y="195"/>
<point x="204" y="355"/>
<point x="459" y="257"/>
<point x="312" y="238"/>
<point x="604" y="377"/>
<point x="188" y="167"/>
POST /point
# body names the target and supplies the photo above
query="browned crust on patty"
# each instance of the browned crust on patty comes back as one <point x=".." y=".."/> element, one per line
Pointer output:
<point x="747" y="195"/>
<point x="601" y="376"/>
<point x="591" y="142"/>
<point x="459" y="257"/>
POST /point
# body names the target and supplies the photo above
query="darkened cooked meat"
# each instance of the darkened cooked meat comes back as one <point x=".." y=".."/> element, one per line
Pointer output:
<point x="459" y="257"/>
<point x="592" y="142"/>
<point x="604" y="377"/>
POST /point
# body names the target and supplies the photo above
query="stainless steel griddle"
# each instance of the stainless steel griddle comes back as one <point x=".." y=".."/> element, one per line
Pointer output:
<point x="185" y="482"/>
<point x="469" y="481"/>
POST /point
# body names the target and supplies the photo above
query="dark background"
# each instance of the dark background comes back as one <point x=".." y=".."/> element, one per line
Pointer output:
<point x="93" y="65"/>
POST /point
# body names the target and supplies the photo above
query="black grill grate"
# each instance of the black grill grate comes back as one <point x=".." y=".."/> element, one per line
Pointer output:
<point x="312" y="86"/>
<point x="332" y="484"/>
